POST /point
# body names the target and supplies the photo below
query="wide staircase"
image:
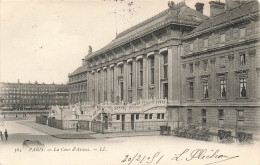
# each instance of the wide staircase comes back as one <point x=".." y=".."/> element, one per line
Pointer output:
<point x="90" y="112"/>
<point x="139" y="106"/>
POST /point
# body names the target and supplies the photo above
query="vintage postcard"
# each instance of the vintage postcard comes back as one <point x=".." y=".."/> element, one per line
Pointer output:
<point x="129" y="82"/>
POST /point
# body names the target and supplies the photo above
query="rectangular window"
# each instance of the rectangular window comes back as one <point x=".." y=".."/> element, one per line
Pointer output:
<point x="162" y="115"/>
<point x="204" y="121"/>
<point x="242" y="32"/>
<point x="220" y="113"/>
<point x="137" y="116"/>
<point x="242" y="87"/>
<point x="165" y="66"/>
<point x="122" y="70"/>
<point x="150" y="116"/>
<point x="152" y="70"/>
<point x="206" y="43"/>
<point x="205" y="89"/>
<point x="165" y="59"/>
<point x="146" y="116"/>
<point x="117" y="117"/>
<point x="113" y="76"/>
<point x="191" y="67"/>
<point x="205" y="65"/>
<point x="141" y="78"/>
<point x="141" y="72"/>
<point x="242" y="59"/>
<point x="222" y="62"/>
<point x="131" y="74"/>
<point x="158" y="116"/>
<point x="105" y="81"/>
<point x="191" y="89"/>
<point x="223" y="92"/>
<point x="222" y="38"/>
<point x="220" y="122"/>
<point x="203" y="112"/>
<point x="191" y="46"/>
<point x="189" y="116"/>
<point x="240" y="113"/>
<point x="240" y="123"/>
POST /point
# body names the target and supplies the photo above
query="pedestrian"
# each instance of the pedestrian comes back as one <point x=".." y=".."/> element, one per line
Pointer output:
<point x="77" y="127"/>
<point x="6" y="135"/>
<point x="1" y="135"/>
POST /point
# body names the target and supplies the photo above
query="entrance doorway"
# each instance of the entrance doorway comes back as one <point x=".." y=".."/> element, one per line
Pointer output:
<point x="105" y="121"/>
<point x="122" y="90"/>
<point x="123" y="122"/>
<point x="133" y="122"/>
<point x="165" y="90"/>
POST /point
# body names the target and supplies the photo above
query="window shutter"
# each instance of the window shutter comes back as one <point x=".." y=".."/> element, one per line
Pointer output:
<point x="195" y="45"/>
<point x="235" y="33"/>
<point x="228" y="36"/>
<point x="210" y="40"/>
<point x="201" y="46"/>
<point x="217" y="38"/>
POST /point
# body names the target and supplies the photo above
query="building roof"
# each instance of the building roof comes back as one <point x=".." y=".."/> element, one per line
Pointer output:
<point x="78" y="70"/>
<point x="187" y="16"/>
<point x="229" y="16"/>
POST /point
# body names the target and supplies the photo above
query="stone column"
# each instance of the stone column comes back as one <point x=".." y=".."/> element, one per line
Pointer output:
<point x="174" y="74"/>
<point x="135" y="83"/>
<point x="116" y="85"/>
<point x="109" y="84"/>
<point x="157" y="75"/>
<point x="125" y="81"/>
<point x="145" y="78"/>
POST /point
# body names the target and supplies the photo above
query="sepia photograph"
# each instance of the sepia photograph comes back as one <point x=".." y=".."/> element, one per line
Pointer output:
<point x="129" y="82"/>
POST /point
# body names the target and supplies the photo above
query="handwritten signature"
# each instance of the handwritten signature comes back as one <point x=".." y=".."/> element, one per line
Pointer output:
<point x="214" y="156"/>
<point x="202" y="154"/>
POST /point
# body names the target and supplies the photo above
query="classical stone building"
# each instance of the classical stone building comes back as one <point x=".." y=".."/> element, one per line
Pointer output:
<point x="205" y="67"/>
<point x="220" y="69"/>
<point x="25" y="96"/>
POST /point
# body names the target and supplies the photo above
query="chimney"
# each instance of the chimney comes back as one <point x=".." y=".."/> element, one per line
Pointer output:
<point x="199" y="7"/>
<point x="216" y="8"/>
<point x="83" y="62"/>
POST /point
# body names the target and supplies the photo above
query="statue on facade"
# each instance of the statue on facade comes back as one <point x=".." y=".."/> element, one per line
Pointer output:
<point x="174" y="9"/>
<point x="171" y="5"/>
<point x="89" y="49"/>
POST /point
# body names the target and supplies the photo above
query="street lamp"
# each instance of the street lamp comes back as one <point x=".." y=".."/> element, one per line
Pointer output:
<point x="61" y="110"/>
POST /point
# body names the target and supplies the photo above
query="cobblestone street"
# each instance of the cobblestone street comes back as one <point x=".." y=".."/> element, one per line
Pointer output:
<point x="86" y="149"/>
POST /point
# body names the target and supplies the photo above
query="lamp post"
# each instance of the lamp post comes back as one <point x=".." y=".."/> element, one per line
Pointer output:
<point x="61" y="110"/>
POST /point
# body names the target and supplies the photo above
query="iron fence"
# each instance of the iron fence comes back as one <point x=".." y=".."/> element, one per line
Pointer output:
<point x="140" y="126"/>
<point x="62" y="124"/>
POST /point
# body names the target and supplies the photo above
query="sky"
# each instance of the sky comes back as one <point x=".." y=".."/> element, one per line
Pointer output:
<point x="45" y="40"/>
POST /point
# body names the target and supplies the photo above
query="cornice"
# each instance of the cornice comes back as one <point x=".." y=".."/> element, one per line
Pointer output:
<point x="160" y="25"/>
<point x="225" y="24"/>
<point x="227" y="46"/>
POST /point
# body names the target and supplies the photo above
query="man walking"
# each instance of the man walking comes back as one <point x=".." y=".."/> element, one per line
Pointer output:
<point x="1" y="135"/>
<point x="6" y="135"/>
<point x="77" y="127"/>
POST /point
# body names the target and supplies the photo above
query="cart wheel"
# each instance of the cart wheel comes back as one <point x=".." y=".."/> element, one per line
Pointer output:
<point x="248" y="139"/>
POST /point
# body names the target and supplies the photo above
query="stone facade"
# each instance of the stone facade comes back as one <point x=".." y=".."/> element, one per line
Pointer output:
<point x="220" y="68"/>
<point x="206" y="68"/>
<point x="23" y="96"/>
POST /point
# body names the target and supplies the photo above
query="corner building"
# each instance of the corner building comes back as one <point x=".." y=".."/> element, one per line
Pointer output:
<point x="151" y="61"/>
<point x="220" y="68"/>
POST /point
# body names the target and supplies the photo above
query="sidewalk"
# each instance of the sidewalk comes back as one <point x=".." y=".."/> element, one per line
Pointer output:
<point x="81" y="134"/>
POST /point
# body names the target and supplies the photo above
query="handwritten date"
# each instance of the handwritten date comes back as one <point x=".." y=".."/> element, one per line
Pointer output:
<point x="139" y="158"/>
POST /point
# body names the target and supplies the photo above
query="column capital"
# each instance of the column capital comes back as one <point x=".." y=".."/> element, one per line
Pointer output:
<point x="150" y="54"/>
<point x="140" y="57"/>
<point x="162" y="50"/>
<point x="129" y="60"/>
